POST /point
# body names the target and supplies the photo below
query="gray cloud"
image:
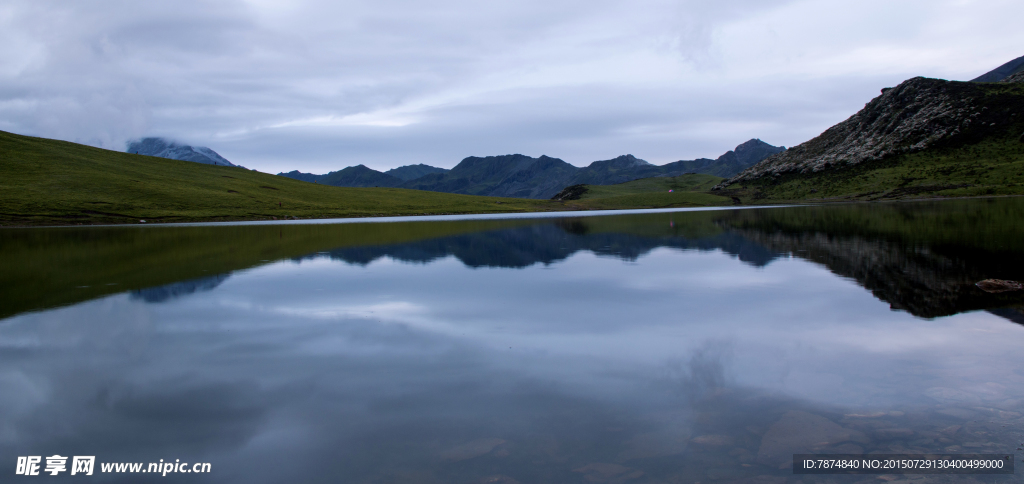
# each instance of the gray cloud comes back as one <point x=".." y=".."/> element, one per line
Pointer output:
<point x="320" y="85"/>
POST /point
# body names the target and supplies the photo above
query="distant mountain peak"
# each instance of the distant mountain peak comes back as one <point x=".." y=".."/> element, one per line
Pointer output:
<point x="620" y="162"/>
<point x="412" y="172"/>
<point x="1002" y="72"/>
<point x="164" y="148"/>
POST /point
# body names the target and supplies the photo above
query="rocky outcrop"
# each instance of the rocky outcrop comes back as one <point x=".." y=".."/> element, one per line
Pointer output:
<point x="573" y="192"/>
<point x="916" y="115"/>
<point x="1018" y="77"/>
<point x="999" y="285"/>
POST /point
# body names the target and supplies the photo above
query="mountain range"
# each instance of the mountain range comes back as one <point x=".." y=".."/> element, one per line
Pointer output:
<point x="522" y="176"/>
<point x="169" y="149"/>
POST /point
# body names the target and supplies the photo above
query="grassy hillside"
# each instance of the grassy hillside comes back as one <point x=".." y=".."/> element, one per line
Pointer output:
<point x="687" y="191"/>
<point x="993" y="166"/>
<point x="45" y="181"/>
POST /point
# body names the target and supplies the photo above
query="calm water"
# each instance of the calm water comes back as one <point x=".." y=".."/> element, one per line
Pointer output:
<point x="672" y="347"/>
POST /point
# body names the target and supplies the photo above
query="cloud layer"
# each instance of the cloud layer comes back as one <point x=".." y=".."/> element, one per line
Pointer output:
<point x="316" y="85"/>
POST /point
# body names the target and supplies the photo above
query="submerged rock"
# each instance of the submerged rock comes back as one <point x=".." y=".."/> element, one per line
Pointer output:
<point x="800" y="432"/>
<point x="471" y="449"/>
<point x="999" y="285"/>
<point x="603" y="472"/>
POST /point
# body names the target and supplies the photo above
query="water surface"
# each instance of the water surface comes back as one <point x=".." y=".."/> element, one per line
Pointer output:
<point x="642" y="348"/>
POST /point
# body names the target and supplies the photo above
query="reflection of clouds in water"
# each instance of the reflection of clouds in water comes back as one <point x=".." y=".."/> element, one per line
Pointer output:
<point x="347" y="370"/>
<point x="705" y="372"/>
<point x="797" y="334"/>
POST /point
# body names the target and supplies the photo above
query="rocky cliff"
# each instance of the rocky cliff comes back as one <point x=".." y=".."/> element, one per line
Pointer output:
<point x="916" y="115"/>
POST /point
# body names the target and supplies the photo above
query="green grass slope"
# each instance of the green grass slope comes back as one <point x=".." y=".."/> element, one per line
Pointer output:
<point x="45" y="182"/>
<point x="993" y="166"/>
<point x="687" y="191"/>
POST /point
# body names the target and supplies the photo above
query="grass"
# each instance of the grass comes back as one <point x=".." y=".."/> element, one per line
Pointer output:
<point x="687" y="191"/>
<point x="991" y="167"/>
<point x="50" y="182"/>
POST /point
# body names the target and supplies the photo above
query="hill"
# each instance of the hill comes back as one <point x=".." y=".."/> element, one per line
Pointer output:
<point x="50" y="182"/>
<point x="175" y="151"/>
<point x="923" y="138"/>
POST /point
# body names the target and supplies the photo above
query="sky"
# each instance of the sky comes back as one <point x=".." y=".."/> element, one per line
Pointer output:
<point x="319" y="85"/>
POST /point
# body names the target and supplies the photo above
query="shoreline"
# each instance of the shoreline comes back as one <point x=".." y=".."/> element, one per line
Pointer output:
<point x="564" y="211"/>
<point x="418" y="218"/>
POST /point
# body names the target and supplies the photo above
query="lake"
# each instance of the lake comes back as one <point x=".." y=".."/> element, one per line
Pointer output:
<point x="636" y="347"/>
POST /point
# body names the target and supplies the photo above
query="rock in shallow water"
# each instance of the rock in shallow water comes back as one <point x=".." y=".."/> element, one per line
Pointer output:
<point x="800" y="432"/>
<point x="999" y="285"/>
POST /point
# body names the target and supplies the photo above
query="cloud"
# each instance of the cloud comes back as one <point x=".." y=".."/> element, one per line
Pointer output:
<point x="318" y="85"/>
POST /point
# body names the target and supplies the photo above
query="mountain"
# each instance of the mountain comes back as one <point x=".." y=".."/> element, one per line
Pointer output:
<point x="517" y="176"/>
<point x="169" y="149"/>
<point x="1002" y="72"/>
<point x="614" y="171"/>
<point x="526" y="177"/>
<point x="522" y="176"/>
<point x="732" y="162"/>
<point x="359" y="176"/>
<point x="306" y="177"/>
<point x="353" y="176"/>
<point x="922" y="137"/>
<point x="412" y="172"/>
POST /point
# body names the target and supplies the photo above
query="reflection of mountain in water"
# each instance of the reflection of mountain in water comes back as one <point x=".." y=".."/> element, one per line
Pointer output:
<point x="927" y="276"/>
<point x="923" y="281"/>
<point x="1015" y="314"/>
<point x="545" y="244"/>
<point x="178" y="289"/>
<point x="914" y="278"/>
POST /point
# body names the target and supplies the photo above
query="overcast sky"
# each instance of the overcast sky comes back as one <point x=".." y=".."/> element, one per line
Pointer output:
<point x="319" y="85"/>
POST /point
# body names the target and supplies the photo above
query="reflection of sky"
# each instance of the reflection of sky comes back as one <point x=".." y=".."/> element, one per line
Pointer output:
<point x="319" y="359"/>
